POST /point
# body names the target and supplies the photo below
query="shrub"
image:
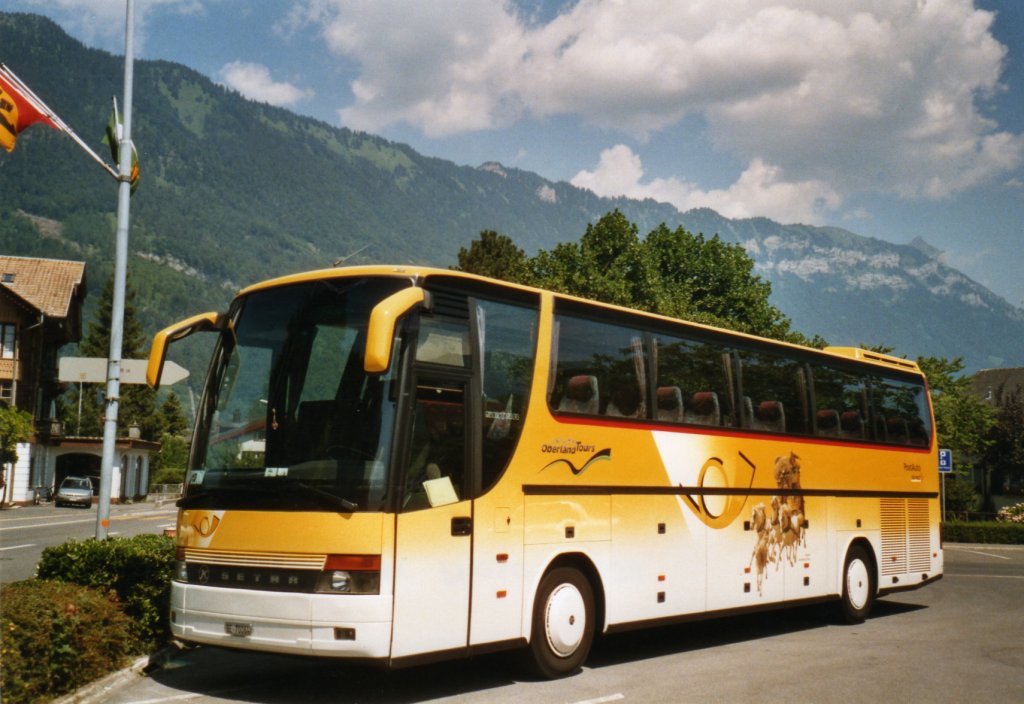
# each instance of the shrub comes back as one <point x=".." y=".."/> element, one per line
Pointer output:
<point x="55" y="637"/>
<point x="137" y="569"/>
<point x="983" y="532"/>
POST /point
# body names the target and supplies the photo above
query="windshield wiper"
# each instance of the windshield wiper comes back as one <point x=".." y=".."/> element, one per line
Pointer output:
<point x="192" y="500"/>
<point x="196" y="500"/>
<point x="337" y="501"/>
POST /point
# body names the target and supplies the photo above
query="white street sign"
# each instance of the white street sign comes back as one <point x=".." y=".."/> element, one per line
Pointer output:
<point x="93" y="370"/>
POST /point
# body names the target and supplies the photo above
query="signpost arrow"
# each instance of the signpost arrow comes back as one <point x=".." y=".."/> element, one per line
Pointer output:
<point x="93" y="370"/>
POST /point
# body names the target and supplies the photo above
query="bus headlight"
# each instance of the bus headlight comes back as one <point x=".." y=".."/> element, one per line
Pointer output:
<point x="350" y="574"/>
<point x="180" y="566"/>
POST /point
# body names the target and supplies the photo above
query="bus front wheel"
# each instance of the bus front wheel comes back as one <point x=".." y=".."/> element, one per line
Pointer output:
<point x="858" y="585"/>
<point x="563" y="623"/>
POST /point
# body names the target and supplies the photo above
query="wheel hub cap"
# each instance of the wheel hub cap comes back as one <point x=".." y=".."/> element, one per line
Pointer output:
<point x="565" y="619"/>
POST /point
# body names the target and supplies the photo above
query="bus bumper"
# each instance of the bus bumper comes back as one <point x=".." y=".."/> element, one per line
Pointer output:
<point x="330" y="625"/>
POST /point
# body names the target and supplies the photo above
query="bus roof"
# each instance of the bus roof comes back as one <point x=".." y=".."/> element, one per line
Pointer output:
<point x="416" y="273"/>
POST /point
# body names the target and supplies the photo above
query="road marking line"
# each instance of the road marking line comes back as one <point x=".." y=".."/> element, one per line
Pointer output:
<point x="175" y="698"/>
<point x="47" y="525"/>
<point x="986" y="576"/>
<point x="602" y="700"/>
<point x="15" y="547"/>
<point x="186" y="697"/>
<point x="986" y="554"/>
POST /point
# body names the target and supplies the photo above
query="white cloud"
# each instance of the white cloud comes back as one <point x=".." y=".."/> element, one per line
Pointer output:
<point x="254" y="81"/>
<point x="874" y="96"/>
<point x="102" y="22"/>
<point x="760" y="190"/>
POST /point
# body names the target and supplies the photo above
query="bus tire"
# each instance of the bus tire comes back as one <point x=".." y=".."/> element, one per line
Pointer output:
<point x="563" y="623"/>
<point x="858" y="585"/>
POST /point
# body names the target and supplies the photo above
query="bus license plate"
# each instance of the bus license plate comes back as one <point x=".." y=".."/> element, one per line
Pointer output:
<point x="242" y="630"/>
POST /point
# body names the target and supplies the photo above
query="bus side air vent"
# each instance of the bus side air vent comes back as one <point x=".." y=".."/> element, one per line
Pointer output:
<point x="919" y="535"/>
<point x="454" y="305"/>
<point x="894" y="536"/>
<point x="906" y="536"/>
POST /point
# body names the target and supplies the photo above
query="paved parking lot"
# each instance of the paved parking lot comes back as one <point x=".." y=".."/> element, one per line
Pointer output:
<point x="956" y="641"/>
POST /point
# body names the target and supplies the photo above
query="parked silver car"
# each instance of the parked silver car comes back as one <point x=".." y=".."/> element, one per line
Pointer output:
<point x="74" y="491"/>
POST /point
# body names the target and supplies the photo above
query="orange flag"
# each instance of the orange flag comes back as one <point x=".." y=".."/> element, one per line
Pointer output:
<point x="18" y="110"/>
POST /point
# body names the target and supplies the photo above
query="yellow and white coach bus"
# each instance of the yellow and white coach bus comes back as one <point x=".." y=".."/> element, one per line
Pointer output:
<point x="398" y="464"/>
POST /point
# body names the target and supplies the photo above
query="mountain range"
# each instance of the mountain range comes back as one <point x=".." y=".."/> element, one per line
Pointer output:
<point x="234" y="191"/>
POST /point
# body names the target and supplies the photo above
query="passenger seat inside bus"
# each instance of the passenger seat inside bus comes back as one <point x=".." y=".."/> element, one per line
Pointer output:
<point x="827" y="422"/>
<point x="770" y="416"/>
<point x="703" y="409"/>
<point x="851" y="425"/>
<point x="625" y="402"/>
<point x="670" y="404"/>
<point x="580" y="395"/>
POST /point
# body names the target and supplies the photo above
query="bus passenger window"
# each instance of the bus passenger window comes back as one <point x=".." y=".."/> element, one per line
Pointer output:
<point x="775" y="394"/>
<point x="840" y="398"/>
<point x="701" y="375"/>
<point x="601" y="369"/>
<point x="900" y="410"/>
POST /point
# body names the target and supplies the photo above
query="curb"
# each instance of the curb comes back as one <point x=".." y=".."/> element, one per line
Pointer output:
<point x="98" y="691"/>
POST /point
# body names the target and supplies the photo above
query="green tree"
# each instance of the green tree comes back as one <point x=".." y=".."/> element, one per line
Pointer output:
<point x="670" y="272"/>
<point x="15" y="427"/>
<point x="963" y="423"/>
<point x="174" y="421"/>
<point x="137" y="405"/>
<point x="169" y="463"/>
<point x="608" y="264"/>
<point x="1005" y="456"/>
<point x="711" y="281"/>
<point x="493" y="255"/>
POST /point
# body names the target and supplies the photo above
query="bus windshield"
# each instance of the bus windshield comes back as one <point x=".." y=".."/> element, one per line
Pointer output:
<point x="290" y="420"/>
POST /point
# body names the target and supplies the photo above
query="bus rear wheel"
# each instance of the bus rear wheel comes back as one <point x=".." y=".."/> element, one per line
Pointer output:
<point x="563" y="623"/>
<point x="858" y="585"/>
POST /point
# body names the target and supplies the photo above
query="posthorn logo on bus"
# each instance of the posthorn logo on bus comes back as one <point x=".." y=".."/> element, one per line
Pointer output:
<point x="572" y="447"/>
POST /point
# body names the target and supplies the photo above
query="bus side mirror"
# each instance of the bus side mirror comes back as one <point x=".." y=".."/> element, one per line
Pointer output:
<point x="381" y="331"/>
<point x="204" y="322"/>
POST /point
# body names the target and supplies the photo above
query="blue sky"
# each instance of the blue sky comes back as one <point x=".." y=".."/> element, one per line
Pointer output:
<point x="892" y="118"/>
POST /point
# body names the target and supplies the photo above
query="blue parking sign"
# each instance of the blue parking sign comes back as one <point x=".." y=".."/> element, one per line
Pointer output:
<point x="945" y="461"/>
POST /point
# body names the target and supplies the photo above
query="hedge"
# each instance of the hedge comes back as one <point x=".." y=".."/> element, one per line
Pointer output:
<point x="138" y="570"/>
<point x="56" y="637"/>
<point x="983" y="532"/>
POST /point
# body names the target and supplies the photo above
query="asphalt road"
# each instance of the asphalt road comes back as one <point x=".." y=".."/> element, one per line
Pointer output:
<point x="955" y="641"/>
<point x="25" y="531"/>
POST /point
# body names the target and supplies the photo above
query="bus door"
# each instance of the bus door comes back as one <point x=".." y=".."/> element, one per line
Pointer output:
<point x="435" y="520"/>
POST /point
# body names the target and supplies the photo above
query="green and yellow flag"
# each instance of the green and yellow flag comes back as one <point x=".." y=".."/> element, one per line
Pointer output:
<point x="112" y="138"/>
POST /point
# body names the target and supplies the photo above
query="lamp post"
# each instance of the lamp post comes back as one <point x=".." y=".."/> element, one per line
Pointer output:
<point x="120" y="276"/>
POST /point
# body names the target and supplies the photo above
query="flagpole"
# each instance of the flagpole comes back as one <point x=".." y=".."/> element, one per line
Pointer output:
<point x="120" y="275"/>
